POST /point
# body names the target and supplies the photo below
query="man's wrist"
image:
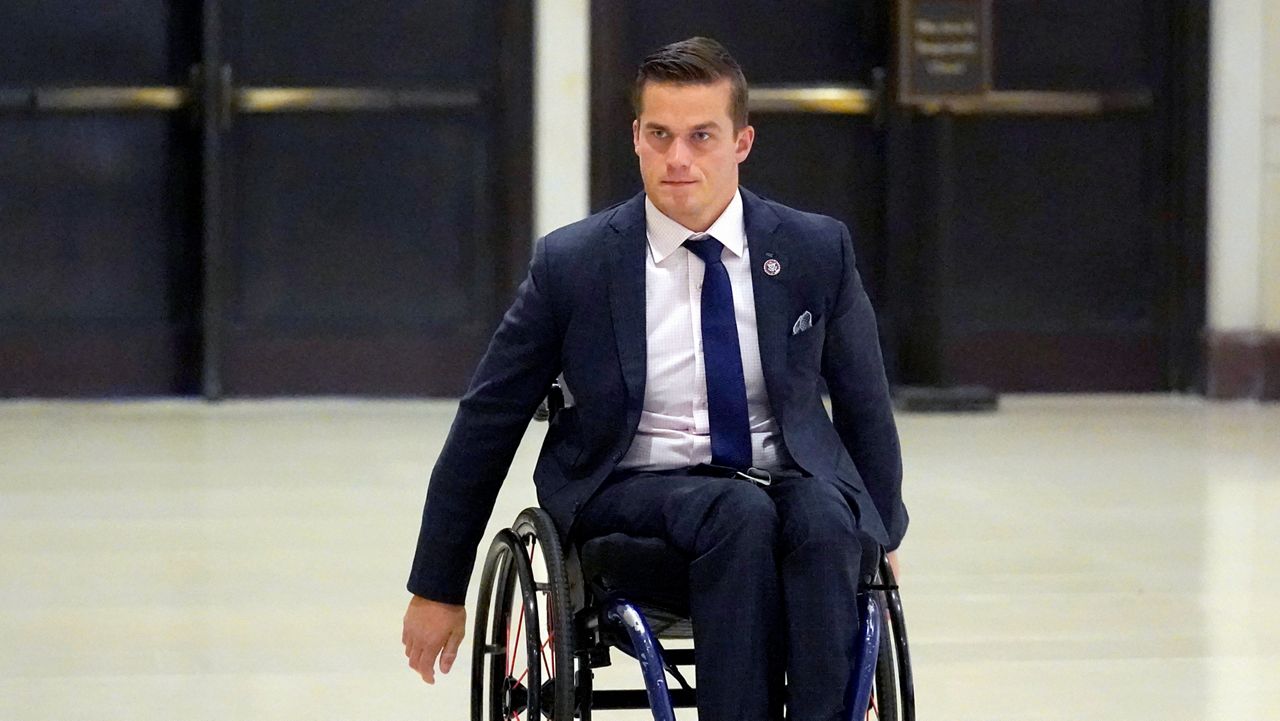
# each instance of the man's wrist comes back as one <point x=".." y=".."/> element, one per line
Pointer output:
<point x="417" y="600"/>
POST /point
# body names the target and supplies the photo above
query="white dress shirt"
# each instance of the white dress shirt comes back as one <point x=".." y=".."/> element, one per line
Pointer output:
<point x="674" y="430"/>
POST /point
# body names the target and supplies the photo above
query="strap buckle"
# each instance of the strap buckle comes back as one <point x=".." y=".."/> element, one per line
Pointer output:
<point x="758" y="476"/>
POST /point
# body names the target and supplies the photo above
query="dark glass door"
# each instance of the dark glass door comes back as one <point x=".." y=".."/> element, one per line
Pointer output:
<point x="1049" y="236"/>
<point x="99" y="264"/>
<point x="236" y="198"/>
<point x="369" y="193"/>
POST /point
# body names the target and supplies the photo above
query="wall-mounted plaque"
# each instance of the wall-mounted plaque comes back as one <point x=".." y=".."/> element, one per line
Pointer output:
<point x="944" y="49"/>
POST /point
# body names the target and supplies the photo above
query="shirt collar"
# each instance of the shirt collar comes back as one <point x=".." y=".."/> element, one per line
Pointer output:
<point x="666" y="235"/>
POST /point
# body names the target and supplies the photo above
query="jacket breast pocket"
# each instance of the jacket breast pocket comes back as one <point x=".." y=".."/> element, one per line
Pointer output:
<point x="805" y="348"/>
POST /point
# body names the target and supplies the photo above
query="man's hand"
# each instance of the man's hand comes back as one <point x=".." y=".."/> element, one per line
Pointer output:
<point x="894" y="567"/>
<point x="432" y="629"/>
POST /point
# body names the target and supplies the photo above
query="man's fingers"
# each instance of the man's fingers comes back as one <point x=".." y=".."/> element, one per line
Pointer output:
<point x="415" y="657"/>
<point x="450" y="651"/>
<point x="423" y="664"/>
<point x="433" y="632"/>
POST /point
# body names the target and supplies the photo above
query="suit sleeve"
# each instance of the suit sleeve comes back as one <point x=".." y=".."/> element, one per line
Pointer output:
<point x="512" y="379"/>
<point x="860" y="403"/>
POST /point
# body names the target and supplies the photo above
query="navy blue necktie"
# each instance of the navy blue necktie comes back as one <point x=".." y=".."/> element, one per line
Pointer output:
<point x="722" y="356"/>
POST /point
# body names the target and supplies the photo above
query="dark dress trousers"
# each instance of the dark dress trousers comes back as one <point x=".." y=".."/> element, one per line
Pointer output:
<point x="581" y="312"/>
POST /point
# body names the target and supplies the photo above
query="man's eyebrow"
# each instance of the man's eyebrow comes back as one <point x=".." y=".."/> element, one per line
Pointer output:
<point x="708" y="125"/>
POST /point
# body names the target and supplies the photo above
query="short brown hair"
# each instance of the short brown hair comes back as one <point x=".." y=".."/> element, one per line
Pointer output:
<point x="695" y="61"/>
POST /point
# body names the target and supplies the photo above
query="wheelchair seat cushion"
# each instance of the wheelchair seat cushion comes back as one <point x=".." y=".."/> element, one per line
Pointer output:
<point x="646" y="571"/>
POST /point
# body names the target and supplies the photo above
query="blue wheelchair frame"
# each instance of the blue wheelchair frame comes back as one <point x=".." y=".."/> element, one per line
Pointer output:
<point x="626" y="617"/>
<point x="604" y="619"/>
<point x="601" y="620"/>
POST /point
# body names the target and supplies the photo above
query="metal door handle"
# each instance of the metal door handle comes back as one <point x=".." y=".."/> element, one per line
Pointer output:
<point x="827" y="99"/>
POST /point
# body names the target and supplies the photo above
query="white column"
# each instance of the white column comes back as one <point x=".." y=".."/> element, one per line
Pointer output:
<point x="1236" y="164"/>
<point x="1271" y="187"/>
<point x="562" y="147"/>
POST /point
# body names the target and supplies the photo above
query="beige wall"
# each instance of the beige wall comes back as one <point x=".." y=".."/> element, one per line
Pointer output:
<point x="1235" y="164"/>
<point x="1244" y="167"/>
<point x="562" y="146"/>
<point x="1270" y="265"/>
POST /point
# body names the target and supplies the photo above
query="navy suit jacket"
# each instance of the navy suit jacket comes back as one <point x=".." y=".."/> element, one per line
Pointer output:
<point x="581" y="312"/>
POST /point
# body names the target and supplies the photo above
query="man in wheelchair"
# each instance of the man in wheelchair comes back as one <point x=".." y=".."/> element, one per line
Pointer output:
<point x="692" y="328"/>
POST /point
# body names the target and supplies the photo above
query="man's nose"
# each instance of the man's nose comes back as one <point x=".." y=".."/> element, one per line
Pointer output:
<point x="678" y="154"/>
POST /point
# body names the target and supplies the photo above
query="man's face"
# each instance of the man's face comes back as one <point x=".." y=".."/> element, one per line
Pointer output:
<point x="689" y="152"/>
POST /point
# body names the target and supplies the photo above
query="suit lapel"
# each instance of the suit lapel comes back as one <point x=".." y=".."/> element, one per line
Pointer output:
<point x="773" y="326"/>
<point x="627" y="297"/>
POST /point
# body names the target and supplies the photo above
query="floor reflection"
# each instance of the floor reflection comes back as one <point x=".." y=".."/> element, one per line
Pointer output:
<point x="1096" y="557"/>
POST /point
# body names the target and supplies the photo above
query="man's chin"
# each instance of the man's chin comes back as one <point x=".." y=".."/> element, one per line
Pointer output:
<point x="668" y="202"/>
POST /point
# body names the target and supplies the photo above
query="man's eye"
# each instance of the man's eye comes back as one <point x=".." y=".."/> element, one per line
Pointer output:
<point x="659" y="134"/>
<point x="702" y="135"/>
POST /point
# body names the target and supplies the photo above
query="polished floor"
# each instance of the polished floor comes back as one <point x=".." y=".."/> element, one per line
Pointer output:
<point x="1069" y="558"/>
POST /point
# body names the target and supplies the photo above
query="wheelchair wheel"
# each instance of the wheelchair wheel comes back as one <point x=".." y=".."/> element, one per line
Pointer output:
<point x="522" y="661"/>
<point x="893" y="698"/>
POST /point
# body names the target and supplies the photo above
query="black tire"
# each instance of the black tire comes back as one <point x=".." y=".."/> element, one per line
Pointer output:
<point x="541" y="542"/>
<point x="502" y="688"/>
<point x="884" y="697"/>
<point x="895" y="688"/>
<point x="506" y="683"/>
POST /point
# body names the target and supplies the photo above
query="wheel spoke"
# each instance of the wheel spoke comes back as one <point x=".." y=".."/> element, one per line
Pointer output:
<point x="545" y="664"/>
<point x="551" y="627"/>
<point x="544" y="661"/>
<point x="516" y="647"/>
<point x="551" y="634"/>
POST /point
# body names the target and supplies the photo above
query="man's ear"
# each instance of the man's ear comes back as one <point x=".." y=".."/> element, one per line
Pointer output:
<point x="635" y="135"/>
<point x="746" y="138"/>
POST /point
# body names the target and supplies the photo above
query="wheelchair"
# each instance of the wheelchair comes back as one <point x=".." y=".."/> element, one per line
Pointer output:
<point x="547" y="617"/>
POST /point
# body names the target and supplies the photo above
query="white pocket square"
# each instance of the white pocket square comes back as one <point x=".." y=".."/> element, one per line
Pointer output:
<point x="803" y="323"/>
